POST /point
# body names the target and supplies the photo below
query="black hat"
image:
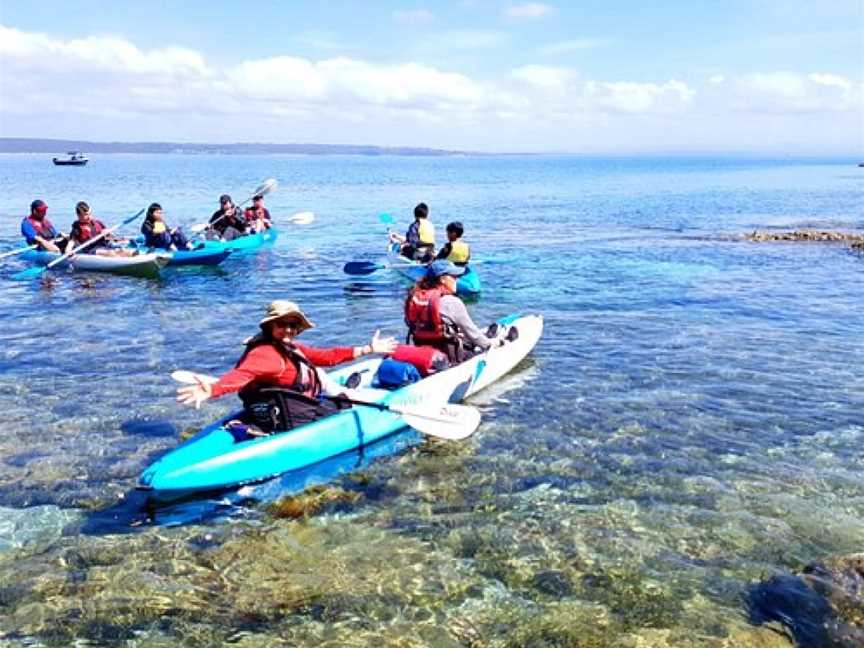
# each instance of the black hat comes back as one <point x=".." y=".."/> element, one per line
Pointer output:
<point x="225" y="198"/>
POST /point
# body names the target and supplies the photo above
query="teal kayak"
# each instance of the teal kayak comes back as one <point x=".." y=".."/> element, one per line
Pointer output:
<point x="250" y="241"/>
<point x="468" y="285"/>
<point x="215" y="459"/>
<point x="206" y="253"/>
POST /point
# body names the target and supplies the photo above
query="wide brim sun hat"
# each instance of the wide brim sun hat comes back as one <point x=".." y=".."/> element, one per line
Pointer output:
<point x="284" y="308"/>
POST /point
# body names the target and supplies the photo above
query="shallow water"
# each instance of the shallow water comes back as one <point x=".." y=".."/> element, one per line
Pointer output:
<point x="689" y="424"/>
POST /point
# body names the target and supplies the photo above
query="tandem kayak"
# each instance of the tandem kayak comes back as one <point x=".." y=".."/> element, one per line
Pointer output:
<point x="139" y="265"/>
<point x="207" y="253"/>
<point x="468" y="285"/>
<point x="215" y="460"/>
<point x="250" y="241"/>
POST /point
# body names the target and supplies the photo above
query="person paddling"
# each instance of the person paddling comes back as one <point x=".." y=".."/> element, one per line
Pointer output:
<point x="38" y="230"/>
<point x="418" y="244"/>
<point x="437" y="317"/>
<point x="455" y="250"/>
<point x="86" y="227"/>
<point x="157" y="234"/>
<point x="226" y="222"/>
<point x="276" y="377"/>
<point x="257" y="216"/>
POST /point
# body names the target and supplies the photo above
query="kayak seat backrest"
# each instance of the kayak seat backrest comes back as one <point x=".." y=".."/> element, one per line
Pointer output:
<point x="276" y="409"/>
<point x="393" y="374"/>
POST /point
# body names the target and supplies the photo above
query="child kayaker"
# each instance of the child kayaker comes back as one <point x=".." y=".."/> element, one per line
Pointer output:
<point x="418" y="244"/>
<point x="277" y="378"/>
<point x="257" y="216"/>
<point x="158" y="235"/>
<point x="456" y="251"/>
<point x="86" y="227"/>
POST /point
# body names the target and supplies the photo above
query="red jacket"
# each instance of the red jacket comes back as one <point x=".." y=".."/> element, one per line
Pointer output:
<point x="266" y="363"/>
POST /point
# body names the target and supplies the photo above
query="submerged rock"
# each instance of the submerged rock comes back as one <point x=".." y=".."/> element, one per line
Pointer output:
<point x="807" y="236"/>
<point x="821" y="606"/>
<point x="32" y="529"/>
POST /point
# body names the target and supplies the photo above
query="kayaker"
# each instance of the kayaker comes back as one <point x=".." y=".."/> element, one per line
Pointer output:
<point x="437" y="317"/>
<point x="226" y="222"/>
<point x="157" y="234"/>
<point x="257" y="216"/>
<point x="418" y="244"/>
<point x="38" y="230"/>
<point x="277" y="378"/>
<point x="86" y="227"/>
<point x="455" y="250"/>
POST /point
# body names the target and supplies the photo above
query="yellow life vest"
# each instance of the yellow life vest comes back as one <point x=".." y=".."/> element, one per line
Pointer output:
<point x="158" y="227"/>
<point x="459" y="252"/>
<point x="426" y="232"/>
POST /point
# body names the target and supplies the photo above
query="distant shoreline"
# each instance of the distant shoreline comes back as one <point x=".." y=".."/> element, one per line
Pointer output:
<point x="55" y="146"/>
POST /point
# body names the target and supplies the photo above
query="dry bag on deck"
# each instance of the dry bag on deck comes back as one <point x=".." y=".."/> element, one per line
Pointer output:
<point x="426" y="359"/>
<point x="393" y="374"/>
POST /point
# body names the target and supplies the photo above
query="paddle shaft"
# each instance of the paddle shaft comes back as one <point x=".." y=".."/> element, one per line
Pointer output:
<point x="19" y="251"/>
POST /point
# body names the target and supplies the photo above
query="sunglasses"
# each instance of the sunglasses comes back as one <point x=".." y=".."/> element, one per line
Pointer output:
<point x="288" y="324"/>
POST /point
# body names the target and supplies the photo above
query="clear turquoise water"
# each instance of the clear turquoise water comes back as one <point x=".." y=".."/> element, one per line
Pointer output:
<point x="689" y="423"/>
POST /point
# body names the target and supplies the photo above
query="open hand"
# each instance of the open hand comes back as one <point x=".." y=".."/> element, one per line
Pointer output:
<point x="194" y="395"/>
<point x="382" y="345"/>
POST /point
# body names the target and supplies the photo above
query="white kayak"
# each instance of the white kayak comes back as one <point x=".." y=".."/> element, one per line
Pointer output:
<point x="139" y="265"/>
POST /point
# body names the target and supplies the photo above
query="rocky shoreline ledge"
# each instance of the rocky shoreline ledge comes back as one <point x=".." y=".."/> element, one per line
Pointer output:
<point x="808" y="236"/>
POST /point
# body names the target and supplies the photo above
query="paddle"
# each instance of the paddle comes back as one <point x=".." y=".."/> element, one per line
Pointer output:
<point x="18" y="251"/>
<point x="362" y="267"/>
<point x="32" y="273"/>
<point x="261" y="190"/>
<point x="445" y="421"/>
<point x="300" y="218"/>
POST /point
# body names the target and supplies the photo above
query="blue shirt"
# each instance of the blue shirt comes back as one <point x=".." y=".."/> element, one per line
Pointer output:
<point x="30" y="233"/>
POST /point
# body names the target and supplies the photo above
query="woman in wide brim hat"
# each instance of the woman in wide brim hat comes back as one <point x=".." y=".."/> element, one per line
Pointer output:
<point x="273" y="359"/>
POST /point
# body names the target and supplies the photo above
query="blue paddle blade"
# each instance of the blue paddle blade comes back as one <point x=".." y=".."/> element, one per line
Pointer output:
<point x="29" y="273"/>
<point x="387" y="219"/>
<point x="361" y="267"/>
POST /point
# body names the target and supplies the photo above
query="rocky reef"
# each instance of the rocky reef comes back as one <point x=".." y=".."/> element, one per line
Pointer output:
<point x="808" y="236"/>
<point x="823" y="605"/>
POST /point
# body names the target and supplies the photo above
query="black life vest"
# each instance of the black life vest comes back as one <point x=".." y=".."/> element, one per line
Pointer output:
<point x="306" y="381"/>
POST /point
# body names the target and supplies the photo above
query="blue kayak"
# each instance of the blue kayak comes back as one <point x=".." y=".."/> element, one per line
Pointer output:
<point x="250" y="241"/>
<point x="468" y="285"/>
<point x="217" y="459"/>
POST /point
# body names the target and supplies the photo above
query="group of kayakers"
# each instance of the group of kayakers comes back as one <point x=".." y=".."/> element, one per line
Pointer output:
<point x="278" y="379"/>
<point x="227" y="223"/>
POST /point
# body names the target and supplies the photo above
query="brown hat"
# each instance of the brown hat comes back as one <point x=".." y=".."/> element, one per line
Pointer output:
<point x="284" y="308"/>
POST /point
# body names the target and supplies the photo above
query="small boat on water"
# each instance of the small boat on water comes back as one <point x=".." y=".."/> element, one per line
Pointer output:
<point x="76" y="158"/>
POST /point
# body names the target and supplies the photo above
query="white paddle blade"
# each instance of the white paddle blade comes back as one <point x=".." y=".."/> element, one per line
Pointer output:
<point x="448" y="421"/>
<point x="200" y="227"/>
<point x="302" y="218"/>
<point x="266" y="187"/>
<point x="192" y="378"/>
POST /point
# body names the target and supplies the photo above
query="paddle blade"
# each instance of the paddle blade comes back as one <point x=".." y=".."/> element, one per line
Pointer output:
<point x="448" y="421"/>
<point x="360" y="267"/>
<point x="28" y="274"/>
<point x="265" y="187"/>
<point x="199" y="227"/>
<point x="387" y="219"/>
<point x="302" y="218"/>
<point x="191" y="378"/>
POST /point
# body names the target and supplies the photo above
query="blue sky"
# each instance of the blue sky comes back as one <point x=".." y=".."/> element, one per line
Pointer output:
<point x="598" y="77"/>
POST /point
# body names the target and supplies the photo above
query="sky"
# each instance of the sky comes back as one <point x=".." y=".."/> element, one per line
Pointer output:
<point x="588" y="76"/>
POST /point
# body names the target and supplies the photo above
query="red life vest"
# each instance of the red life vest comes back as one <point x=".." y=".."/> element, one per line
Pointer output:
<point x="306" y="381"/>
<point x="423" y="315"/>
<point x="43" y="227"/>
<point x="83" y="232"/>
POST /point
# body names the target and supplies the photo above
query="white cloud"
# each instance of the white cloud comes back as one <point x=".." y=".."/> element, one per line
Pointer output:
<point x="106" y="87"/>
<point x="528" y="11"/>
<point x="569" y="46"/>
<point x="413" y="16"/>
<point x="787" y="92"/>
